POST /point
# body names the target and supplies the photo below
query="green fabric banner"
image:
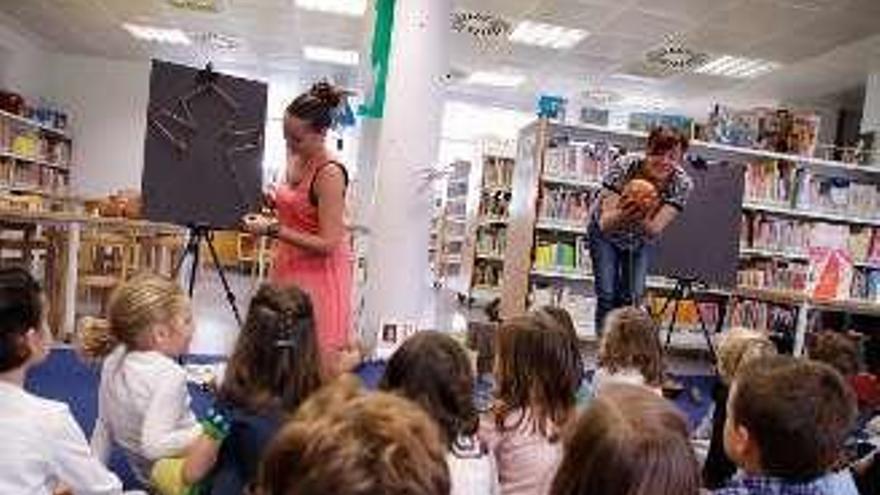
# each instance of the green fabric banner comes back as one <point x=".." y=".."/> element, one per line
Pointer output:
<point x="374" y="106"/>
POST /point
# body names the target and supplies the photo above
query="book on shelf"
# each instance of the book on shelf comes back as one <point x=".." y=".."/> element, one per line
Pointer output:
<point x="581" y="307"/>
<point x="562" y="256"/>
<point x="487" y="274"/>
<point x="495" y="204"/>
<point x="565" y="204"/>
<point x="586" y="162"/>
<point x="686" y="316"/>
<point x="497" y="172"/>
<point x="491" y="240"/>
<point x="764" y="316"/>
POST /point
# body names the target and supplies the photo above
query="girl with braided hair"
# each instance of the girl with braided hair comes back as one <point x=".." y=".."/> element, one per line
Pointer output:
<point x="274" y="367"/>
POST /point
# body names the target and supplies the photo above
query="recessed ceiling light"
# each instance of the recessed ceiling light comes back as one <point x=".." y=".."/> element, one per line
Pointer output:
<point x="217" y="41"/>
<point x="331" y="55"/>
<point x="353" y="8"/>
<point x="547" y="35"/>
<point x="496" y="79"/>
<point x="157" y="34"/>
<point x="737" y="67"/>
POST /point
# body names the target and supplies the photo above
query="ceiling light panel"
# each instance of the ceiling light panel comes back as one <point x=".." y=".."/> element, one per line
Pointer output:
<point x="331" y="55"/>
<point x="495" y="79"/>
<point x="737" y="67"/>
<point x="353" y="8"/>
<point x="157" y="34"/>
<point x="547" y="35"/>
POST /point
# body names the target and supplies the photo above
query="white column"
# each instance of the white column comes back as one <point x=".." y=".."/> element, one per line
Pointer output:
<point x="397" y="287"/>
<point x="871" y="110"/>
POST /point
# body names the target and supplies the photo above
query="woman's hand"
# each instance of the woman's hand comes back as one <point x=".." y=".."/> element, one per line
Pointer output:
<point x="257" y="224"/>
<point x="631" y="212"/>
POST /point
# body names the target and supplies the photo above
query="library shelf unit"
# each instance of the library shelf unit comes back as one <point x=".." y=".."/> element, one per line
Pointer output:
<point x="448" y="231"/>
<point x="558" y="171"/>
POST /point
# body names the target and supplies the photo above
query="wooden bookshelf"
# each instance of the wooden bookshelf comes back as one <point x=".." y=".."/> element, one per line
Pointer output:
<point x="527" y="224"/>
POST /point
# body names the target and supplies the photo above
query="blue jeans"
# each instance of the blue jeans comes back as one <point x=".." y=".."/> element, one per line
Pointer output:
<point x="619" y="275"/>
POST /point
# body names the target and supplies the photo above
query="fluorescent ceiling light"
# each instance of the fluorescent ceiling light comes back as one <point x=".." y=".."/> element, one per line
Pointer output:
<point x="737" y="67"/>
<point x="353" y="8"/>
<point x="496" y="79"/>
<point x="157" y="34"/>
<point x="547" y="35"/>
<point x="331" y="55"/>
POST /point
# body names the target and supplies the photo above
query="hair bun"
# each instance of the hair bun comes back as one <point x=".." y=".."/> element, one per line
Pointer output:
<point x="327" y="93"/>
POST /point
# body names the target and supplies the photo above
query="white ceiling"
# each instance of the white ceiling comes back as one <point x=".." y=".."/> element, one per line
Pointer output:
<point x="825" y="46"/>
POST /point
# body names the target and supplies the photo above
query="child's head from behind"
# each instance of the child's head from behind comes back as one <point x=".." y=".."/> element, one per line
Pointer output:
<point x="538" y="369"/>
<point x="345" y="441"/>
<point x="148" y="312"/>
<point x="630" y="342"/>
<point x="836" y="350"/>
<point x="629" y="441"/>
<point x="739" y="347"/>
<point x="433" y="370"/>
<point x="787" y="418"/>
<point x="559" y="316"/>
<point x="275" y="362"/>
<point x="22" y="336"/>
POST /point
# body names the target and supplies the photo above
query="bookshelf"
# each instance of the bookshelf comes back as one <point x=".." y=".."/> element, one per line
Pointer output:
<point x="488" y="227"/>
<point x="35" y="158"/>
<point x="449" y="230"/>
<point x="558" y="172"/>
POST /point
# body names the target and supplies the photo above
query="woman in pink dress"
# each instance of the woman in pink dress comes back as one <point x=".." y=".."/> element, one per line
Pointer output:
<point x="313" y="249"/>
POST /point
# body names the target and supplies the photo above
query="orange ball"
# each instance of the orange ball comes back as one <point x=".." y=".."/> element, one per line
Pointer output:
<point x="642" y="193"/>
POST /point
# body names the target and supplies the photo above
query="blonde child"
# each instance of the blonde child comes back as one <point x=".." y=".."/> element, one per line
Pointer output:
<point x="737" y="348"/>
<point x="143" y="402"/>
<point x="630" y="351"/>
<point x="537" y="372"/>
<point x="43" y="446"/>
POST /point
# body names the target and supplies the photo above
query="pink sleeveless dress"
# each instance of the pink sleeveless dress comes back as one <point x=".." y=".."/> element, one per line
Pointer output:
<point x="327" y="278"/>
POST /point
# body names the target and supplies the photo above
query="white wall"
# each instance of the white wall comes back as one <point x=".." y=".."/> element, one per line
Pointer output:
<point x="107" y="103"/>
<point x="23" y="60"/>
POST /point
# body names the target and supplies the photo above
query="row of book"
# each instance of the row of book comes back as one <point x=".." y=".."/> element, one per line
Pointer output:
<point x="495" y="204"/>
<point x="563" y="255"/>
<point x="686" y="316"/>
<point x="491" y="240"/>
<point x="22" y="175"/>
<point x="487" y="274"/>
<point x="793" y="236"/>
<point x="866" y="285"/>
<point x="773" y="275"/>
<point x="782" y="182"/>
<point x="581" y="307"/>
<point x="771" y="129"/>
<point x="497" y="172"/>
<point x="762" y="315"/>
<point x="566" y="204"/>
<point x="30" y="143"/>
<point x="586" y="162"/>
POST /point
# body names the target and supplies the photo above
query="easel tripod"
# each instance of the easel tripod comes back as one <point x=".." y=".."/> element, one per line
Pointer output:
<point x="683" y="290"/>
<point x="197" y="234"/>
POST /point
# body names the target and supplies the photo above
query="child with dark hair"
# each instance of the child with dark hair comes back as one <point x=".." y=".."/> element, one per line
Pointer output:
<point x="629" y="441"/>
<point x="344" y="441"/>
<point x="787" y="419"/>
<point x="537" y="372"/>
<point x="274" y="367"/>
<point x="43" y="447"/>
<point x="433" y="370"/>
<point x="630" y="351"/>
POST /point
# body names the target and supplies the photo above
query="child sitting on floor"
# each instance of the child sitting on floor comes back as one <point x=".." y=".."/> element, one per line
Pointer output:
<point x="44" y="448"/>
<point x="274" y="367"/>
<point x="537" y="372"/>
<point x="787" y="419"/>
<point x="434" y="371"/>
<point x="630" y="351"/>
<point x="344" y="441"/>
<point x="629" y="441"/>
<point x="738" y="347"/>
<point x="143" y="401"/>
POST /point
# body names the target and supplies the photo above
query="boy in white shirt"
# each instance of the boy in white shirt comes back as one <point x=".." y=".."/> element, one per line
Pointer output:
<point x="43" y="447"/>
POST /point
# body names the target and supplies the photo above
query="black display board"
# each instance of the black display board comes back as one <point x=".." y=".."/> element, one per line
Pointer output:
<point x="203" y="150"/>
<point x="702" y="243"/>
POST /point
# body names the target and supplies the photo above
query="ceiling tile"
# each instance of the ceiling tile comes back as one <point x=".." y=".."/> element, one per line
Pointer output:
<point x="615" y="47"/>
<point x="685" y="10"/>
<point x="571" y="13"/>
<point x="640" y="25"/>
<point x="505" y="8"/>
<point x="760" y="19"/>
